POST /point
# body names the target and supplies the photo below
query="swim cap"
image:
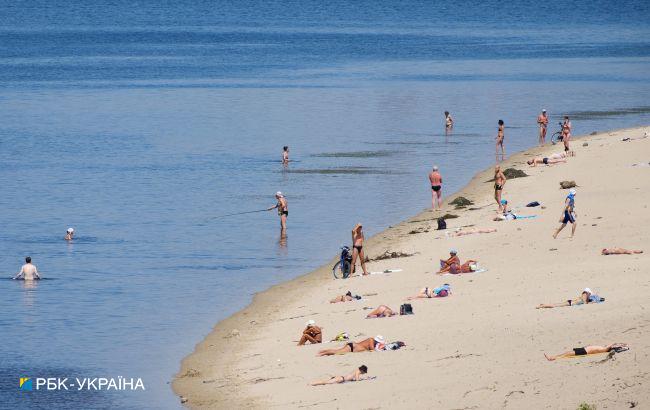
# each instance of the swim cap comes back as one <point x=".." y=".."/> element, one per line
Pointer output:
<point x="544" y="110"/>
<point x="311" y="322"/>
<point x="278" y="194"/>
<point x="70" y="230"/>
<point x="453" y="251"/>
<point x="435" y="167"/>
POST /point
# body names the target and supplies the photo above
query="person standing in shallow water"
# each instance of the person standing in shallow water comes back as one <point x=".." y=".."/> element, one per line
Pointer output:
<point x="542" y="121"/>
<point x="28" y="271"/>
<point x="436" y="187"/>
<point x="283" y="210"/>
<point x="499" y="140"/>
<point x="357" y="248"/>
<point x="449" y="121"/>
<point x="285" y="155"/>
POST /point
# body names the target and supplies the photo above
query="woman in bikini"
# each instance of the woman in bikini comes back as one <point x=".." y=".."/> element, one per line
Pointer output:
<point x="428" y="293"/>
<point x="499" y="140"/>
<point x="367" y="345"/>
<point x="587" y="296"/>
<point x="619" y="251"/>
<point x="345" y="298"/>
<point x="499" y="183"/>
<point x="566" y="132"/>
<point x="381" y="311"/>
<point x="581" y="351"/>
<point x="355" y="376"/>
<point x="449" y="122"/>
<point x="357" y="248"/>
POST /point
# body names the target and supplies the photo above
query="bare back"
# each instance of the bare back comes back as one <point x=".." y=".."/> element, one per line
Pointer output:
<point x="435" y="178"/>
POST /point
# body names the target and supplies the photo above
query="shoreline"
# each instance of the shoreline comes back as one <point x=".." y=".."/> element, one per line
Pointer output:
<point x="214" y="375"/>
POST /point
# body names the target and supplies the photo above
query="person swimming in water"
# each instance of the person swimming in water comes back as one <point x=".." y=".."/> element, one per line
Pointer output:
<point x="355" y="376"/>
<point x="28" y="271"/>
<point x="542" y="121"/>
<point x="285" y="155"/>
<point x="499" y="183"/>
<point x="283" y="210"/>
<point x="499" y="140"/>
<point x="357" y="249"/>
<point x="366" y="345"/>
<point x="582" y="351"/>
<point x="436" y="187"/>
<point x="69" y="234"/>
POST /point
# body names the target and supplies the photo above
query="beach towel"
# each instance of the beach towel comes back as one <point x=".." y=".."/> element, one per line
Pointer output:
<point x="385" y="271"/>
<point x="480" y="270"/>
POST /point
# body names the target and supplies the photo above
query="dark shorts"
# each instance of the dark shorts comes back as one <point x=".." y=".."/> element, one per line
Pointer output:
<point x="580" y="351"/>
<point x="498" y="187"/>
<point x="568" y="218"/>
<point x="436" y="188"/>
<point x="545" y="160"/>
<point x="284" y="213"/>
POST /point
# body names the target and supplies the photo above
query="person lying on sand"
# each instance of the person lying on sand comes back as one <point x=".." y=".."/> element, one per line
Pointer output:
<point x="367" y="345"/>
<point x="441" y="292"/>
<point x="355" y="376"/>
<point x="460" y="232"/>
<point x="545" y="160"/>
<point x="345" y="298"/>
<point x="312" y="334"/>
<point x="450" y="264"/>
<point x="381" y="311"/>
<point x="28" y="271"/>
<point x="581" y="351"/>
<point x="587" y="296"/>
<point x="618" y="251"/>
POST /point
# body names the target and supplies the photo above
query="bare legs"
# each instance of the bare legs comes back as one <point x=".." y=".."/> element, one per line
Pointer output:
<point x="619" y="251"/>
<point x="343" y="350"/>
<point x="552" y="305"/>
<point x="436" y="196"/>
<point x="503" y="151"/>
<point x="497" y="197"/>
<point x="361" y="255"/>
<point x="306" y="338"/>
<point x="331" y="380"/>
<point x="542" y="135"/>
<point x="573" y="230"/>
<point x="588" y="349"/>
<point x="381" y="311"/>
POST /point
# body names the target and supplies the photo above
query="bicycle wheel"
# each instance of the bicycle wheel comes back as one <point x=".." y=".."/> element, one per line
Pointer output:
<point x="341" y="273"/>
<point x="336" y="270"/>
<point x="555" y="138"/>
<point x="346" y="269"/>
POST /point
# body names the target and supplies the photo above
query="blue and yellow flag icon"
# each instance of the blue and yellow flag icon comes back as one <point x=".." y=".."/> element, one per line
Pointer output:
<point x="26" y="383"/>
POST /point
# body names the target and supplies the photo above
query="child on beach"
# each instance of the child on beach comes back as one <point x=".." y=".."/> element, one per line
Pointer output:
<point x="355" y="376"/>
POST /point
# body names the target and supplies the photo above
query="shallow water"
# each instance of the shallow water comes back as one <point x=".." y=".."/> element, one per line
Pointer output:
<point x="139" y="126"/>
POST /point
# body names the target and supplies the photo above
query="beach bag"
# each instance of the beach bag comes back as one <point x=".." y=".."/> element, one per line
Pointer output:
<point x="442" y="224"/>
<point x="406" y="309"/>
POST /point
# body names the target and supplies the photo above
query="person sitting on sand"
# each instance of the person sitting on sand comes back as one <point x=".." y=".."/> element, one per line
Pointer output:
<point x="345" y="298"/>
<point x="581" y="351"/>
<point x="355" y="376"/>
<point x="461" y="232"/>
<point x="28" y="271"/>
<point x="546" y="161"/>
<point x="381" y="311"/>
<point x="441" y="292"/>
<point x="367" y="345"/>
<point x="618" y="251"/>
<point x="587" y="296"/>
<point x="69" y="234"/>
<point x="450" y="265"/>
<point x="312" y="334"/>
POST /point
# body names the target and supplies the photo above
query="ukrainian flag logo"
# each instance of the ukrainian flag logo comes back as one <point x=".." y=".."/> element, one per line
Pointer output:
<point x="26" y="384"/>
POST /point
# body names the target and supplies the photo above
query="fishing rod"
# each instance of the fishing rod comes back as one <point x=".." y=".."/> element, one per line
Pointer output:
<point x="239" y="213"/>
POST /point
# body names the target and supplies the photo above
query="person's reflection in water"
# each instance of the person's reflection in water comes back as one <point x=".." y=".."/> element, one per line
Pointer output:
<point x="30" y="292"/>
<point x="282" y="243"/>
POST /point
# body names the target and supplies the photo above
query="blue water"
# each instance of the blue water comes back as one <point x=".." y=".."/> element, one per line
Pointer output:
<point x="137" y="123"/>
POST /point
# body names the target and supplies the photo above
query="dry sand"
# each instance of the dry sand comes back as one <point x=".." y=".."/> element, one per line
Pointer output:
<point x="483" y="346"/>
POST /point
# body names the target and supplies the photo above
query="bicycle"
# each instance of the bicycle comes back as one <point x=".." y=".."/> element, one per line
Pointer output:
<point x="342" y="267"/>
<point x="557" y="136"/>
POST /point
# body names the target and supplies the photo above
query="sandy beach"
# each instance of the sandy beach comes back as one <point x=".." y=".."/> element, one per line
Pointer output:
<point x="482" y="347"/>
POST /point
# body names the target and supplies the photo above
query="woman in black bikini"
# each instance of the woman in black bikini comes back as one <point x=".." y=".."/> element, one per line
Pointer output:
<point x="367" y="345"/>
<point x="355" y="376"/>
<point x="499" y="182"/>
<point x="357" y="248"/>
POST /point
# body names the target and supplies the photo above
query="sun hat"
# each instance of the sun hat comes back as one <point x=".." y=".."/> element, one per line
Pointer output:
<point x="453" y="251"/>
<point x="587" y="290"/>
<point x="379" y="339"/>
<point x="311" y="322"/>
<point x="435" y="167"/>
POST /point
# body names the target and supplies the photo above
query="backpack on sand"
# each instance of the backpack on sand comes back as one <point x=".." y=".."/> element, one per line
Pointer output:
<point x="406" y="309"/>
<point x="442" y="224"/>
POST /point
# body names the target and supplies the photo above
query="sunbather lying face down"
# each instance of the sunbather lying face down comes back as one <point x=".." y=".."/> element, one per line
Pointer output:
<point x="585" y="297"/>
<point x="473" y="231"/>
<point x="618" y="251"/>
<point x="381" y="311"/>
<point x="355" y="376"/>
<point x="545" y="160"/>
<point x="345" y="298"/>
<point x="367" y="345"/>
<point x="581" y="351"/>
<point x="441" y="292"/>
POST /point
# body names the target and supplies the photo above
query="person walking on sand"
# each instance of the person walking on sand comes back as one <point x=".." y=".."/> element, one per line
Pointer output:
<point x="566" y="132"/>
<point x="499" y="140"/>
<point x="582" y="351"/>
<point x="449" y="121"/>
<point x="312" y="334"/>
<point x="69" y="234"/>
<point x="569" y="214"/>
<point x="499" y="183"/>
<point x="283" y="210"/>
<point x="285" y="155"/>
<point x="542" y="120"/>
<point x="436" y="187"/>
<point x="28" y="271"/>
<point x="355" y="376"/>
<point x="357" y="249"/>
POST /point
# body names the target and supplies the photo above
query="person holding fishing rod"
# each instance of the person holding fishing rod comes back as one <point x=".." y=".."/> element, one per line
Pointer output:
<point x="283" y="210"/>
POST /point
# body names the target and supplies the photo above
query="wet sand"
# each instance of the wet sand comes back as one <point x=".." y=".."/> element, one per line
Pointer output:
<point x="483" y="346"/>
